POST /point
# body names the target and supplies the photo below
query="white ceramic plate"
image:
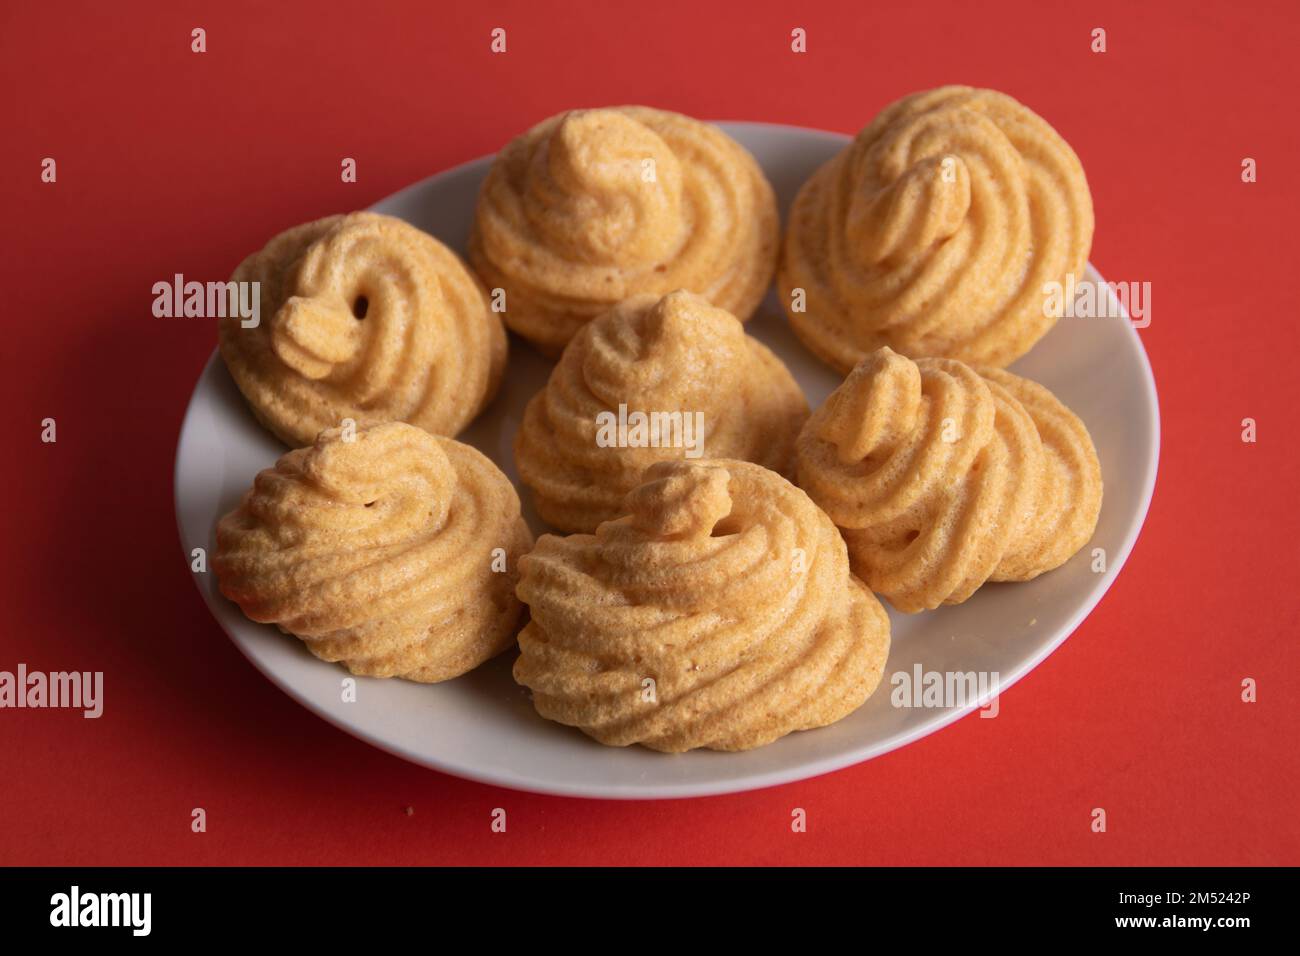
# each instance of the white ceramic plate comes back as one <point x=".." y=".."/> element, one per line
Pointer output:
<point x="482" y="726"/>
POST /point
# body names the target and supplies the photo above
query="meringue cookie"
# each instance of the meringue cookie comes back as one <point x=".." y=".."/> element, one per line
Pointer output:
<point x="935" y="232"/>
<point x="689" y="369"/>
<point x="719" y="613"/>
<point x="364" y="317"/>
<point x="591" y="207"/>
<point x="395" y="552"/>
<point x="942" y="477"/>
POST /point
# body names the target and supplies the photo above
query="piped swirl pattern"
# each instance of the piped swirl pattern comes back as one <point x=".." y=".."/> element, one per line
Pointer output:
<point x="942" y="477"/>
<point x="719" y="612"/>
<point x="718" y="394"/>
<point x="364" y="317"/>
<point x="935" y="231"/>
<point x="379" y="552"/>
<point x="591" y="207"/>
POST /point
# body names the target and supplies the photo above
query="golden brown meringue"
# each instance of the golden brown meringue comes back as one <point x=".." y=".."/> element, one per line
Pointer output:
<point x="591" y="207"/>
<point x="703" y="387"/>
<point x="935" y="232"/>
<point x="363" y="317"/>
<point x="394" y="552"/>
<point x="942" y="477"/>
<point x="720" y="613"/>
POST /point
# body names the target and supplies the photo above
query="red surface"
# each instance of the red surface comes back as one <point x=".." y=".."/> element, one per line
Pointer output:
<point x="170" y="162"/>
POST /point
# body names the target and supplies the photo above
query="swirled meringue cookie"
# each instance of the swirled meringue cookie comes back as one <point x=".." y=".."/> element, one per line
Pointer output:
<point x="942" y="477"/>
<point x="719" y="612"/>
<point x="935" y="232"/>
<point x="363" y="317"/>
<point x="395" y="552"/>
<point x="591" y="207"/>
<point x="702" y="386"/>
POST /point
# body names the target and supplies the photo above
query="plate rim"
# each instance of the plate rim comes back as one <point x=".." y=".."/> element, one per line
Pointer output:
<point x="760" y="780"/>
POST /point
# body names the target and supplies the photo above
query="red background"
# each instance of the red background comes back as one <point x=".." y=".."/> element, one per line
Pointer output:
<point x="169" y="161"/>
